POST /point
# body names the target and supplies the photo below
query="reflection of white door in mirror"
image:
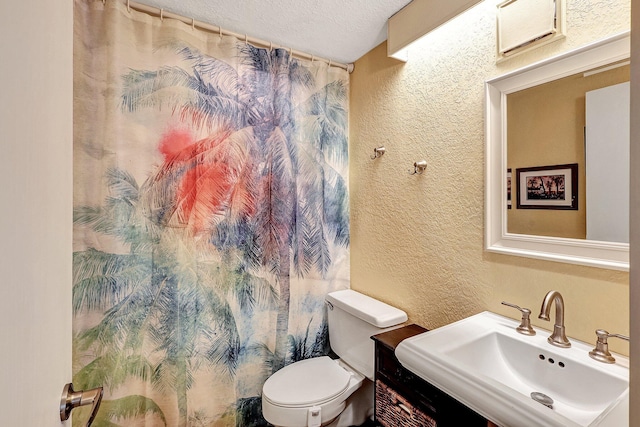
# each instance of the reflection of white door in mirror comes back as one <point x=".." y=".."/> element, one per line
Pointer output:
<point x="498" y="238"/>
<point x="607" y="163"/>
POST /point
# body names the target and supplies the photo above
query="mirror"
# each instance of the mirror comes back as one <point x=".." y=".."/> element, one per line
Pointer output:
<point x="510" y="236"/>
<point x="581" y="122"/>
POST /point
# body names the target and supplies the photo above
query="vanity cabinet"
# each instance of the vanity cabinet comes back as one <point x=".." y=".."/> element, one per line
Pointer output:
<point x="404" y="399"/>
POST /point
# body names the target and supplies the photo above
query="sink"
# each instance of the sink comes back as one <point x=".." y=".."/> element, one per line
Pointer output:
<point x="485" y="364"/>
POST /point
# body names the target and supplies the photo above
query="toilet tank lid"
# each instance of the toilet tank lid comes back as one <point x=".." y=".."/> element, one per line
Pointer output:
<point x="366" y="308"/>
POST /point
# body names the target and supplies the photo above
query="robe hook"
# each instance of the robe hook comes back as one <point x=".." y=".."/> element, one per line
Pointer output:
<point x="378" y="152"/>
<point x="418" y="167"/>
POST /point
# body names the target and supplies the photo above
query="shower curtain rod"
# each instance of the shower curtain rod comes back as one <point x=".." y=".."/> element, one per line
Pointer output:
<point x="161" y="13"/>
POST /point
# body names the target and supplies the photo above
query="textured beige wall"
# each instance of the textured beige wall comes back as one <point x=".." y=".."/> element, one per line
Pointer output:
<point x="417" y="241"/>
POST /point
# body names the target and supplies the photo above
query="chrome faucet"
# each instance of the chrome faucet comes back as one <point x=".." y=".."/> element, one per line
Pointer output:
<point x="558" y="337"/>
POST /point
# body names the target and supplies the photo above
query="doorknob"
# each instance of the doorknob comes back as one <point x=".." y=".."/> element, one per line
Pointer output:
<point x="72" y="399"/>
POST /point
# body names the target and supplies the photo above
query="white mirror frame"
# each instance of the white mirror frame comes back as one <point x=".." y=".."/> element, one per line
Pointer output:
<point x="575" y="251"/>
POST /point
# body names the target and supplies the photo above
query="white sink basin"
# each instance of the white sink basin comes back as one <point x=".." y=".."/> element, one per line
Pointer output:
<point x="484" y="363"/>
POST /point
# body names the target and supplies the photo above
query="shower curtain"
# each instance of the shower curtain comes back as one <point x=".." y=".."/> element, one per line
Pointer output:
<point x="210" y="216"/>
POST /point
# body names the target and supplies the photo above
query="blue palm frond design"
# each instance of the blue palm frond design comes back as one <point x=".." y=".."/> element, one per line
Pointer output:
<point x="327" y="118"/>
<point x="198" y="101"/>
<point x="103" y="280"/>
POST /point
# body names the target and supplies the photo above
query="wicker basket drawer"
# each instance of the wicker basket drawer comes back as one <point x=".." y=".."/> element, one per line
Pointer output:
<point x="393" y="410"/>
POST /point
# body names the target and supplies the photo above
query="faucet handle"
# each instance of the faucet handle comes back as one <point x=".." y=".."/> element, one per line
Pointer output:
<point x="525" y="323"/>
<point x="601" y="352"/>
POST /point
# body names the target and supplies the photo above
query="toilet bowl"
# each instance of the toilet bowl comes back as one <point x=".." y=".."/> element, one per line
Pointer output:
<point x="312" y="392"/>
<point x="333" y="392"/>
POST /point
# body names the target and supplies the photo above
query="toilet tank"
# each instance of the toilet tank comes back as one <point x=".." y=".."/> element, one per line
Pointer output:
<point x="353" y="318"/>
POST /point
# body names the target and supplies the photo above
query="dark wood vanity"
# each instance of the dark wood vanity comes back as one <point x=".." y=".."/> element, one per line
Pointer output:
<point x="404" y="399"/>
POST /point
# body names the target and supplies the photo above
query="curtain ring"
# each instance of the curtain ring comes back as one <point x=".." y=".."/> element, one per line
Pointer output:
<point x="245" y="40"/>
<point x="193" y="23"/>
<point x="270" y="46"/>
<point x="220" y="32"/>
<point x="313" y="57"/>
<point x="290" y="54"/>
<point x="329" y="63"/>
<point x="128" y="6"/>
<point x="161" y="14"/>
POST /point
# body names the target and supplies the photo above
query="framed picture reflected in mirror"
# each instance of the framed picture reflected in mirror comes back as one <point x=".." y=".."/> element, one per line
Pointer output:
<point x="547" y="187"/>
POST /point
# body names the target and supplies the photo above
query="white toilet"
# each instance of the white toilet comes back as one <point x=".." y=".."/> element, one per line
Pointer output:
<point x="325" y="392"/>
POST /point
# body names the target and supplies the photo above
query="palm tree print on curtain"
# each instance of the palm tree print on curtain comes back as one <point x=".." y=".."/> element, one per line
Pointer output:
<point x="210" y="217"/>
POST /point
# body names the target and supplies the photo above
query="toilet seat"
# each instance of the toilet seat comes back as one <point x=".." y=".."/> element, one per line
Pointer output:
<point x="309" y="382"/>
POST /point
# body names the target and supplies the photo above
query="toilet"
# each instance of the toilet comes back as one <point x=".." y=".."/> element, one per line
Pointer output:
<point x="333" y="392"/>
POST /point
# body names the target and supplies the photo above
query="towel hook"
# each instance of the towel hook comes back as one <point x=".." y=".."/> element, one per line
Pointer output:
<point x="418" y="167"/>
<point x="378" y="152"/>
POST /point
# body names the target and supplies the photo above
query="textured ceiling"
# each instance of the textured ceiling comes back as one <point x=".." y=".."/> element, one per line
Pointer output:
<point x="340" y="30"/>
